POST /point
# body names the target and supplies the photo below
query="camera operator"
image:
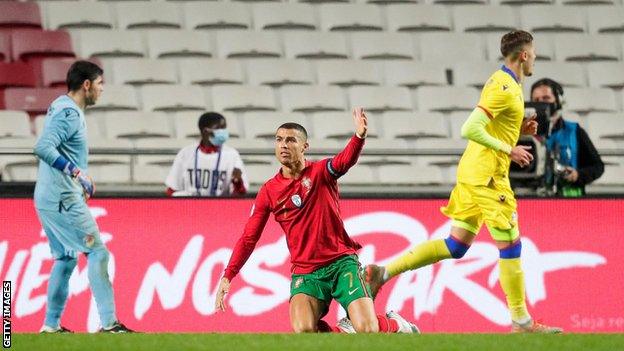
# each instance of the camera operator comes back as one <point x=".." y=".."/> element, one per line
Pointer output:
<point x="575" y="160"/>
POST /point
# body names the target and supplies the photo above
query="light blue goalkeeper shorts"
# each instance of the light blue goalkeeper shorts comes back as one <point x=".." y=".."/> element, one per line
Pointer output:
<point x="70" y="230"/>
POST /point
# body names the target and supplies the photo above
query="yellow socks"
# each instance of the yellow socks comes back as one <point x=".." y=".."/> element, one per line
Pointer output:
<point x="421" y="255"/>
<point x="512" y="282"/>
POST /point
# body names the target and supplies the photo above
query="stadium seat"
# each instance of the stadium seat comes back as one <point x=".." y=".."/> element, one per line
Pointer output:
<point x="315" y="45"/>
<point x="413" y="74"/>
<point x="248" y="44"/>
<point x="605" y="75"/>
<point x="35" y="101"/>
<point x="552" y="19"/>
<point x="336" y="125"/>
<point x="134" y="15"/>
<point x="605" y="19"/>
<point x="359" y="175"/>
<point x="383" y="46"/>
<point x="612" y="176"/>
<point x="241" y="98"/>
<point x="348" y="73"/>
<point x="420" y="18"/>
<point x="447" y="47"/>
<point x="135" y="125"/>
<point x="522" y="2"/>
<point x="447" y="99"/>
<point x="391" y="2"/>
<point x="605" y="126"/>
<point x="579" y="47"/>
<point x="179" y="44"/>
<point x="410" y="174"/>
<point x="544" y="48"/>
<point x="151" y="174"/>
<point x="204" y="71"/>
<point x="283" y="16"/>
<point x="116" y="98"/>
<point x="457" y="120"/>
<point x="15" y="15"/>
<point x="110" y="173"/>
<point x="380" y="99"/>
<point x="584" y="100"/>
<point x="262" y="125"/>
<point x="411" y="126"/>
<point x="250" y="144"/>
<point x="568" y="74"/>
<point x="458" y="2"/>
<point x="260" y="173"/>
<point x="312" y="98"/>
<point x="216" y="15"/>
<point x="78" y="14"/>
<point x="350" y="17"/>
<point x="139" y="71"/>
<point x="185" y="124"/>
<point x="31" y="43"/>
<point x="484" y="19"/>
<point x="279" y="72"/>
<point x="473" y="74"/>
<point x="17" y="74"/>
<point x="14" y="124"/>
<point x="106" y="43"/>
<point x="5" y="46"/>
<point x="54" y="71"/>
<point x="21" y="169"/>
<point x="588" y="2"/>
<point x="171" y="98"/>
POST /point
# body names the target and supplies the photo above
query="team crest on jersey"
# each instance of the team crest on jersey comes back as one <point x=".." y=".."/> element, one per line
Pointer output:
<point x="501" y="198"/>
<point x="296" y="199"/>
<point x="307" y="183"/>
<point x="505" y="87"/>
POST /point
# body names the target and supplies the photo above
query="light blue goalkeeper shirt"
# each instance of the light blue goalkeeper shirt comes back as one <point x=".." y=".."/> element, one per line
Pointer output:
<point x="64" y="133"/>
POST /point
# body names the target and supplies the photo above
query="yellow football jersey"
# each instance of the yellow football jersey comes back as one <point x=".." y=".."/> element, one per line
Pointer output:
<point x="503" y="102"/>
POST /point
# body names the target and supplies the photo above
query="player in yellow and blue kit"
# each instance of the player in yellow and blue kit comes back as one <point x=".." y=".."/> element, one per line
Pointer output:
<point x="483" y="193"/>
<point x="60" y="199"/>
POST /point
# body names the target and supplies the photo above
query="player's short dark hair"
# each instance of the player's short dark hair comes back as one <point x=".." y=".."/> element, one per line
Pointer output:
<point x="209" y="119"/>
<point x="513" y="42"/>
<point x="79" y="72"/>
<point x="296" y="126"/>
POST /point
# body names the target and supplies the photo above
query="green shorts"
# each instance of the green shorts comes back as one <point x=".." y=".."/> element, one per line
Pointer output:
<point x="341" y="280"/>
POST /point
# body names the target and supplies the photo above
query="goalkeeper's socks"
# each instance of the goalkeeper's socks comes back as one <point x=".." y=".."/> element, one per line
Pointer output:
<point x="421" y="255"/>
<point x="387" y="325"/>
<point x="512" y="282"/>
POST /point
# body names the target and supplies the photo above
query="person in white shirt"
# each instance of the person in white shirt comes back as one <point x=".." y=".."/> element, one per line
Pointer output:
<point x="209" y="167"/>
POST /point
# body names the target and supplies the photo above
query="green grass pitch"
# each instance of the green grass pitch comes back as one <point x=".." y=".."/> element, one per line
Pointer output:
<point x="317" y="342"/>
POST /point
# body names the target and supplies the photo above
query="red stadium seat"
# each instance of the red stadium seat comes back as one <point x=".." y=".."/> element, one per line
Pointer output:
<point x="35" y="101"/>
<point x="31" y="44"/>
<point x="54" y="70"/>
<point x="17" y="74"/>
<point x="5" y="46"/>
<point x="15" y="14"/>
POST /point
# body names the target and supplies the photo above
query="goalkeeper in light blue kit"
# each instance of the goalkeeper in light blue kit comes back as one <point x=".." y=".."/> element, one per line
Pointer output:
<point x="60" y="199"/>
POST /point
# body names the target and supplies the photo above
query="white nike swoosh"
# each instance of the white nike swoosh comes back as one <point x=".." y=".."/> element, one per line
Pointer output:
<point x="352" y="291"/>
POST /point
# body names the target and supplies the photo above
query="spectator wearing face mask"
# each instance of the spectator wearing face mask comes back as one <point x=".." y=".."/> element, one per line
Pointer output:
<point x="577" y="160"/>
<point x="209" y="167"/>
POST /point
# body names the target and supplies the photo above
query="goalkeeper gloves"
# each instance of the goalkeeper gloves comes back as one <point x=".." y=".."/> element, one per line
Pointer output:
<point x="74" y="172"/>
